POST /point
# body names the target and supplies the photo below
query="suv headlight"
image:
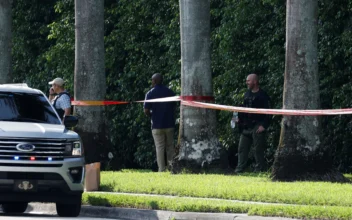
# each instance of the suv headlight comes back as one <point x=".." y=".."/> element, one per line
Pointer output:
<point x="74" y="148"/>
<point x="77" y="149"/>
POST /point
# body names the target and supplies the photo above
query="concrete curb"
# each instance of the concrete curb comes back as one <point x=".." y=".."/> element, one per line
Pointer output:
<point x="133" y="214"/>
<point x="188" y="197"/>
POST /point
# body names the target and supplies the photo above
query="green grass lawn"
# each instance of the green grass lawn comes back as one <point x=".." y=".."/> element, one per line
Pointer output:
<point x="257" y="188"/>
<point x="205" y="205"/>
<point x="319" y="200"/>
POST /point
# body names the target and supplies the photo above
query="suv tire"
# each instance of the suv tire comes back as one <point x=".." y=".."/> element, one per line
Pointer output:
<point x="69" y="210"/>
<point x="14" y="207"/>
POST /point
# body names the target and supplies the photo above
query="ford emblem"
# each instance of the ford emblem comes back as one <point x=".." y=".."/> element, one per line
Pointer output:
<point x="25" y="147"/>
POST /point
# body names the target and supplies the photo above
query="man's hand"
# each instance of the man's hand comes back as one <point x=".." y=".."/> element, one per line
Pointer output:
<point x="51" y="91"/>
<point x="147" y="112"/>
<point x="51" y="94"/>
<point x="260" y="129"/>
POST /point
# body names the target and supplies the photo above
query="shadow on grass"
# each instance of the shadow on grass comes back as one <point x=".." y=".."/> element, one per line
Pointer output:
<point x="226" y="172"/>
<point x="106" y="187"/>
<point x="136" y="171"/>
<point x="98" y="201"/>
<point x="120" y="209"/>
<point x="255" y="174"/>
<point x="348" y="176"/>
<point x="154" y="205"/>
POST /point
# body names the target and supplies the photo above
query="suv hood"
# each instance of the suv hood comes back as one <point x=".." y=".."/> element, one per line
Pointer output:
<point x="35" y="130"/>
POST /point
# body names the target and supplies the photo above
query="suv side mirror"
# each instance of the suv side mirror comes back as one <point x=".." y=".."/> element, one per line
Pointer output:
<point x="70" y="121"/>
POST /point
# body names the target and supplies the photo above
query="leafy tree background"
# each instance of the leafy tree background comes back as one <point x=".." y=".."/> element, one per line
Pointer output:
<point x="142" y="37"/>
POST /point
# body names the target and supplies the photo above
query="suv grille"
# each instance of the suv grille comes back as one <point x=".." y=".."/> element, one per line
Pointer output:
<point x="30" y="176"/>
<point x="45" y="149"/>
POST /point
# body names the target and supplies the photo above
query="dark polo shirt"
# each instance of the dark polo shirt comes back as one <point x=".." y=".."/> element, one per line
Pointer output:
<point x="163" y="113"/>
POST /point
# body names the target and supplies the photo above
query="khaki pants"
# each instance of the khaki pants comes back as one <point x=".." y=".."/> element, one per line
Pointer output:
<point x="249" y="137"/>
<point x="164" y="141"/>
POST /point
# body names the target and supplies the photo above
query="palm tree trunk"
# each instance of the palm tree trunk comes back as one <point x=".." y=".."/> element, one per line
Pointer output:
<point x="90" y="82"/>
<point x="199" y="146"/>
<point x="5" y="40"/>
<point x="301" y="154"/>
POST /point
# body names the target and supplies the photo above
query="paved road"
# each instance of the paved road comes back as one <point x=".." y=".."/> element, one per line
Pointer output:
<point x="43" y="217"/>
<point x="47" y="211"/>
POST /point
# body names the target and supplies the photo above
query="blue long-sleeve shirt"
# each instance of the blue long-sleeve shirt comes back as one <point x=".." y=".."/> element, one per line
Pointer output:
<point x="162" y="113"/>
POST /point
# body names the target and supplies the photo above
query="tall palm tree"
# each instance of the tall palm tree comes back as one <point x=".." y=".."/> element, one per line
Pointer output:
<point x="90" y="80"/>
<point x="199" y="145"/>
<point x="5" y="40"/>
<point x="301" y="154"/>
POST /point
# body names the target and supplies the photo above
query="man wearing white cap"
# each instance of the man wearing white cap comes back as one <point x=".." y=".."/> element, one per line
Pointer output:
<point x="59" y="97"/>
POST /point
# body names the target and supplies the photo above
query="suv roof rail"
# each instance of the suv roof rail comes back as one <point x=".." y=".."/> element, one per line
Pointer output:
<point x="16" y="84"/>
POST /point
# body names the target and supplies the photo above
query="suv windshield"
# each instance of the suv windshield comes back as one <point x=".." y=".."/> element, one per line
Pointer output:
<point x="26" y="107"/>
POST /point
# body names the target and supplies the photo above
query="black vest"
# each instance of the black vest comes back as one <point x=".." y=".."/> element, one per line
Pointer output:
<point x="60" y="111"/>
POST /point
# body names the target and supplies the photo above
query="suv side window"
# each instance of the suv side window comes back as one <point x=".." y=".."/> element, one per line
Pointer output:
<point x="26" y="107"/>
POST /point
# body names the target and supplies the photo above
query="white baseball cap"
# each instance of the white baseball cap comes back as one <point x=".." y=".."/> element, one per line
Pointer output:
<point x="57" y="81"/>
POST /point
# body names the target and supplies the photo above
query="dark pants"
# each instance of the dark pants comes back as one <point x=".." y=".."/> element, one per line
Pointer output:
<point x="249" y="137"/>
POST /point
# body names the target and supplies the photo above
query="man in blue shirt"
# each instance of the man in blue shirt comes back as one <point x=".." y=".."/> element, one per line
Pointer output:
<point x="163" y="120"/>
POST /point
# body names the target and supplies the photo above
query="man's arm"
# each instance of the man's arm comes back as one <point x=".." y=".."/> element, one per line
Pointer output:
<point x="67" y="111"/>
<point x="147" y="105"/>
<point x="147" y="112"/>
<point x="66" y="104"/>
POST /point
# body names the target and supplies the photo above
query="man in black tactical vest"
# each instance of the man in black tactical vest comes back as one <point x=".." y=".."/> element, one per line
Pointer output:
<point x="59" y="97"/>
<point x="253" y="126"/>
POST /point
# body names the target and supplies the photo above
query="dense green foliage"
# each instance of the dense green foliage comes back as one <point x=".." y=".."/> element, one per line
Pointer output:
<point x="142" y="37"/>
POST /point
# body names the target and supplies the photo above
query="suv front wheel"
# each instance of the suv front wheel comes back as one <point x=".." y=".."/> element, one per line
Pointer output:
<point x="69" y="210"/>
<point x="14" y="207"/>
